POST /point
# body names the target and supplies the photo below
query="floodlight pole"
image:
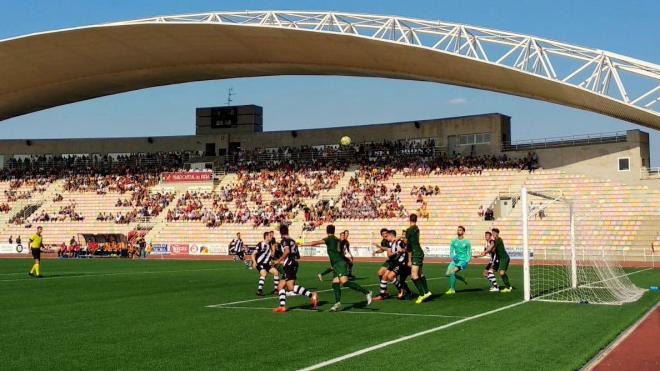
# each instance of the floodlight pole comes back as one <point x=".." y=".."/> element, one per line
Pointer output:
<point x="525" y="218"/>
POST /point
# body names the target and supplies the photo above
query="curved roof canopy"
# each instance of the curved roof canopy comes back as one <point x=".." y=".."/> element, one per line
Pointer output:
<point x="48" y="69"/>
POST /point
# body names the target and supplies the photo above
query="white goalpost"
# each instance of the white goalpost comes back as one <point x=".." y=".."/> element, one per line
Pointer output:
<point x="558" y="265"/>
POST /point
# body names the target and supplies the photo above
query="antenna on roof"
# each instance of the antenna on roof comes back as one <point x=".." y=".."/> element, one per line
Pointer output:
<point x="230" y="93"/>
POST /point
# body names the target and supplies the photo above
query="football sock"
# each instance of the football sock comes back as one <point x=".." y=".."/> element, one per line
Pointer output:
<point x="383" y="287"/>
<point x="418" y="285"/>
<point x="425" y="285"/>
<point x="505" y="278"/>
<point x="397" y="284"/>
<point x="356" y="287"/>
<point x="276" y="282"/>
<point x="262" y="281"/>
<point x="460" y="278"/>
<point x="38" y="271"/>
<point x="492" y="280"/>
<point x="336" y="288"/>
<point x="282" y="297"/>
<point x="452" y="281"/>
<point x="302" y="291"/>
<point x="34" y="266"/>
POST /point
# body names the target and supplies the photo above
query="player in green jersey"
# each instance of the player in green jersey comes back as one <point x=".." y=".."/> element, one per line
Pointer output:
<point x="460" y="252"/>
<point x="417" y="260"/>
<point x="339" y="268"/>
<point x="503" y="256"/>
<point x="344" y="245"/>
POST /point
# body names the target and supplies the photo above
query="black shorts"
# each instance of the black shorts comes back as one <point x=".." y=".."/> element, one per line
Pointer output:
<point x="36" y="253"/>
<point x="264" y="266"/>
<point x="291" y="271"/>
<point x="402" y="270"/>
<point x="493" y="265"/>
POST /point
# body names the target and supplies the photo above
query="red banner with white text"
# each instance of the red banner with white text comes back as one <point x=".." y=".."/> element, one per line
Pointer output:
<point x="183" y="176"/>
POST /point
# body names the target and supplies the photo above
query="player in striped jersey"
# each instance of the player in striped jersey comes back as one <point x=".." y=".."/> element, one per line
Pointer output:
<point x="237" y="247"/>
<point x="493" y="262"/>
<point x="388" y="265"/>
<point x="289" y="261"/>
<point x="384" y="247"/>
<point x="397" y="270"/>
<point x="261" y="262"/>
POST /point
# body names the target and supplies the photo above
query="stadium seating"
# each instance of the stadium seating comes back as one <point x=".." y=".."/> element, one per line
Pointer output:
<point x="609" y="215"/>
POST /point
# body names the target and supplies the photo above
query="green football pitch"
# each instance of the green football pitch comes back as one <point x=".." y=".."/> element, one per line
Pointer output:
<point x="155" y="314"/>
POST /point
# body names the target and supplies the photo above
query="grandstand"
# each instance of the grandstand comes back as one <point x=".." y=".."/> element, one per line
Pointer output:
<point x="360" y="188"/>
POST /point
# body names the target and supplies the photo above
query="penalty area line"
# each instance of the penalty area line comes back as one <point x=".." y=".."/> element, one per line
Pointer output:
<point x="275" y="297"/>
<point x="348" y="312"/>
<point x="84" y="275"/>
<point x="406" y="338"/>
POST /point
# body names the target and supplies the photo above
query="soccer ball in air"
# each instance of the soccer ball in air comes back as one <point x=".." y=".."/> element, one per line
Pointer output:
<point x="345" y="141"/>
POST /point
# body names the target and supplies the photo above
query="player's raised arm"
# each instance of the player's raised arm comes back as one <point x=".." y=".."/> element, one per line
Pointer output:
<point x="316" y="243"/>
<point x="488" y="250"/>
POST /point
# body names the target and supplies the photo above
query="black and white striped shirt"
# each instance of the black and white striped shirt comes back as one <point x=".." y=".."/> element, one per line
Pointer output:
<point x="263" y="253"/>
<point x="294" y="254"/>
<point x="398" y="248"/>
<point x="238" y="245"/>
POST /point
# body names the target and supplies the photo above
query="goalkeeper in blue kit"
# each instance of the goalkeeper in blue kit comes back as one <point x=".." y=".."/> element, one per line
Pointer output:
<point x="460" y="252"/>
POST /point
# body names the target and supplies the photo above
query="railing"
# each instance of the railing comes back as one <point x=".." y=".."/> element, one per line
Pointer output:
<point x="102" y="162"/>
<point x="574" y="140"/>
<point x="650" y="172"/>
<point x="352" y="155"/>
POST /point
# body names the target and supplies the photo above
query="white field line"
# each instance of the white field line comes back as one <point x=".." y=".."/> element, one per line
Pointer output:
<point x="348" y="312"/>
<point x="619" y="339"/>
<point x="417" y="334"/>
<point x="275" y="297"/>
<point x="82" y="275"/>
<point x="406" y="338"/>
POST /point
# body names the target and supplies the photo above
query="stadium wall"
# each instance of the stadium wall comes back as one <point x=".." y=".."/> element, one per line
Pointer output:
<point x="599" y="160"/>
<point x="496" y="124"/>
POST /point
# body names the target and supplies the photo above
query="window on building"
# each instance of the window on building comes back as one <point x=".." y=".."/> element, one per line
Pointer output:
<point x="469" y="139"/>
<point x="624" y="163"/>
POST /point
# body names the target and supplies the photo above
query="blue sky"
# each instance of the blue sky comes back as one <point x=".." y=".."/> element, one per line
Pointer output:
<point x="626" y="27"/>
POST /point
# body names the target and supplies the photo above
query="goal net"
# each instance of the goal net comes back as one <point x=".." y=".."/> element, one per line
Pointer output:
<point x="567" y="257"/>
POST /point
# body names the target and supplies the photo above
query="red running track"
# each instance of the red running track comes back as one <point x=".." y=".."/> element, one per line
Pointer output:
<point x="639" y="351"/>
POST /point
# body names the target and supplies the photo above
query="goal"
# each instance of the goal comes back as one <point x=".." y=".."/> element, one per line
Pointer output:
<point x="563" y="259"/>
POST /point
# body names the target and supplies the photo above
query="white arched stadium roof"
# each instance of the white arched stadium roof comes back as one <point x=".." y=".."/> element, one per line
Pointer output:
<point x="49" y="69"/>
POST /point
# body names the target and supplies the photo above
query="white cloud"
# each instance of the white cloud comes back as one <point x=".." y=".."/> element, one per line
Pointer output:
<point x="457" y="101"/>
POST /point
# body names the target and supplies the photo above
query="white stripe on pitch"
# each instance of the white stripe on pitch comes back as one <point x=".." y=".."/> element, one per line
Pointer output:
<point x="425" y="332"/>
<point x="82" y="275"/>
<point x="349" y="312"/>
<point x="405" y="338"/>
<point x="276" y="297"/>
